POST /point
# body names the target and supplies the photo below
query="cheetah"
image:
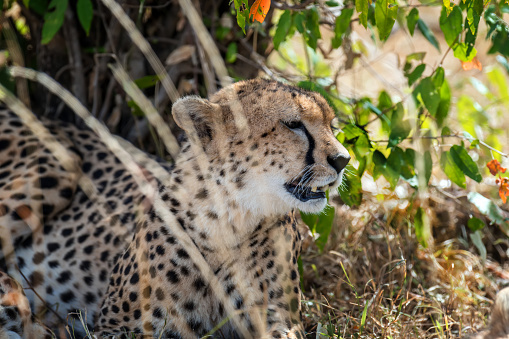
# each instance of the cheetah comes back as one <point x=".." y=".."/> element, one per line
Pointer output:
<point x="212" y="252"/>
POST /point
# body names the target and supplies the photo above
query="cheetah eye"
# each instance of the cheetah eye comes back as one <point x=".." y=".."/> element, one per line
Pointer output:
<point x="334" y="125"/>
<point x="297" y="124"/>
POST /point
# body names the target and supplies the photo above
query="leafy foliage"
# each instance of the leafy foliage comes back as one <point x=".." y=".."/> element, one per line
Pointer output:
<point x="432" y="101"/>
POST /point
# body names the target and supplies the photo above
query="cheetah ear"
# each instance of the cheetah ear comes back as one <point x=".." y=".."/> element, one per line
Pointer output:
<point x="195" y="116"/>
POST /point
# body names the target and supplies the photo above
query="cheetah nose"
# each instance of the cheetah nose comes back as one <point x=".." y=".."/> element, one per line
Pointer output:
<point x="338" y="161"/>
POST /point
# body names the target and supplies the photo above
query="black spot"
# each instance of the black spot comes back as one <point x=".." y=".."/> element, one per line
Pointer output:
<point x="47" y="209"/>
<point x="90" y="298"/>
<point x="133" y="296"/>
<point x="48" y="182"/>
<point x="53" y="246"/>
<point x="137" y="314"/>
<point x="172" y="276"/>
<point x="160" y="250"/>
<point x="67" y="296"/>
<point x="157" y="313"/>
<point x="4" y="143"/>
<point x="64" y="277"/>
<point x="189" y="305"/>
<point x="182" y="253"/>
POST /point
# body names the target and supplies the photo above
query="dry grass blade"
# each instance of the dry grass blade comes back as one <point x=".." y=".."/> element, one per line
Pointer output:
<point x="162" y="129"/>
<point x="145" y="187"/>
<point x="144" y="47"/>
<point x="217" y="61"/>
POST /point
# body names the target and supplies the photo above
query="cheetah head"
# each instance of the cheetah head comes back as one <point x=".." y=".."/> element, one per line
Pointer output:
<point x="284" y="155"/>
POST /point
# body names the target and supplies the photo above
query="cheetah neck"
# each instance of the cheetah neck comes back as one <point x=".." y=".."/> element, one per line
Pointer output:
<point x="205" y="201"/>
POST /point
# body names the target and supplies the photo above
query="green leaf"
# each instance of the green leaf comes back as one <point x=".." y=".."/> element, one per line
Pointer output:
<point x="476" y="238"/>
<point x="438" y="77"/>
<point x="461" y="51"/>
<point x="231" y="53"/>
<point x="283" y="27"/>
<point x="362" y="146"/>
<point x="452" y="170"/>
<point x="400" y="129"/>
<point x="241" y="7"/>
<point x="351" y="189"/>
<point x="473" y="19"/>
<point x="429" y="94"/>
<point x="146" y="81"/>
<point x="448" y="7"/>
<point x="489" y="209"/>
<point x="416" y="74"/>
<point x="444" y="104"/>
<point x="422" y="227"/>
<point x="460" y="156"/>
<point x="351" y="131"/>
<point x="475" y="224"/>
<point x="312" y="27"/>
<point x="411" y="20"/>
<point x="53" y="19"/>
<point x="85" y="14"/>
<point x="332" y="3"/>
<point x="320" y="224"/>
<point x="40" y="7"/>
<point x="362" y="7"/>
<point x="451" y="24"/>
<point x="314" y="87"/>
<point x="428" y="34"/>
<point x="385" y="16"/>
<point x="379" y="162"/>
<point x="395" y="162"/>
<point x="342" y="26"/>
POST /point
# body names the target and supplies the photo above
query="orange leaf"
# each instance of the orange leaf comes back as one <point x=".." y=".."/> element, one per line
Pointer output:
<point x="503" y="190"/>
<point x="474" y="63"/>
<point x="495" y="167"/>
<point x="259" y="10"/>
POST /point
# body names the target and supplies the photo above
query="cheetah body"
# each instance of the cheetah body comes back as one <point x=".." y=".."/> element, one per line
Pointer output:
<point x="125" y="265"/>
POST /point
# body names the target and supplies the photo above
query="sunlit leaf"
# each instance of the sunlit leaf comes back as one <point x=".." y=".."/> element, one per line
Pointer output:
<point x="342" y="25"/>
<point x="283" y="28"/>
<point x="461" y="52"/>
<point x="320" y="224"/>
<point x="242" y="13"/>
<point x="362" y="7"/>
<point x="452" y="170"/>
<point x="411" y="20"/>
<point x="351" y="189"/>
<point x="259" y="10"/>
<point x="451" y="24"/>
<point x="489" y="209"/>
<point x="460" y="156"/>
<point x="444" y="104"/>
<point x="416" y="74"/>
<point x="429" y="94"/>
<point x="385" y="16"/>
<point x="428" y="34"/>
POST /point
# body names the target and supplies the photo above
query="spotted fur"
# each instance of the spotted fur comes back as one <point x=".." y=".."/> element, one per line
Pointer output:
<point x="256" y="151"/>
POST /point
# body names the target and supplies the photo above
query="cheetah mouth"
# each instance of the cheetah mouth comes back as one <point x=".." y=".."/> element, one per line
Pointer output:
<point x="306" y="193"/>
